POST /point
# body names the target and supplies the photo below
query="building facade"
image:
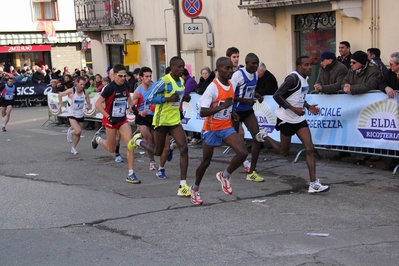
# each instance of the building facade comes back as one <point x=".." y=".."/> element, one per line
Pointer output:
<point x="41" y="32"/>
<point x="278" y="31"/>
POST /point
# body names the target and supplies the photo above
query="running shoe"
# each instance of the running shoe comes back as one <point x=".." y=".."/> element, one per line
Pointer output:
<point x="94" y="143"/>
<point x="3" y="128"/>
<point x="170" y="155"/>
<point x="74" y="151"/>
<point x="247" y="166"/>
<point x="195" y="196"/>
<point x="133" y="179"/>
<point x="261" y="135"/>
<point x="69" y="135"/>
<point x="153" y="165"/>
<point x="132" y="143"/>
<point x="254" y="177"/>
<point x="225" y="182"/>
<point x="317" y="187"/>
<point x="161" y="174"/>
<point x="184" y="191"/>
<point x="118" y="159"/>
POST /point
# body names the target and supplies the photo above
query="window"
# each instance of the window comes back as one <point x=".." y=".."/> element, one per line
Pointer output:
<point x="44" y="9"/>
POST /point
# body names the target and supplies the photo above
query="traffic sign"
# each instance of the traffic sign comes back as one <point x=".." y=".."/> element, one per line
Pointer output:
<point x="192" y="8"/>
<point x="192" y="28"/>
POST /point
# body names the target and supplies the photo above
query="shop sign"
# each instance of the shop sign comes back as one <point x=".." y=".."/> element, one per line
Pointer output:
<point x="25" y="48"/>
<point x="111" y="38"/>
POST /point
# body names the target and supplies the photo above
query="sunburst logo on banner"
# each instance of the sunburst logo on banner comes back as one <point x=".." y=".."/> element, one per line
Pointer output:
<point x="265" y="117"/>
<point x="187" y="112"/>
<point x="379" y="120"/>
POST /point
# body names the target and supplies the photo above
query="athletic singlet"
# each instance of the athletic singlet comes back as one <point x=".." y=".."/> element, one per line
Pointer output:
<point x="168" y="113"/>
<point x="115" y="101"/>
<point x="76" y="104"/>
<point x="142" y="102"/>
<point x="8" y="92"/>
<point x="245" y="90"/>
<point x="296" y="99"/>
<point x="222" y="119"/>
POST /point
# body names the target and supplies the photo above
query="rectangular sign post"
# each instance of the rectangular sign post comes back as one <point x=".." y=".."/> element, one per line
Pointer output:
<point x="192" y="28"/>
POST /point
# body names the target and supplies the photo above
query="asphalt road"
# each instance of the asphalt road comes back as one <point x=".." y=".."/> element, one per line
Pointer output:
<point x="61" y="209"/>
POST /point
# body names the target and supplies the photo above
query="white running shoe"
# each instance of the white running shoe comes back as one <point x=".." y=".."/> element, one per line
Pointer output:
<point x="247" y="166"/>
<point x="261" y="135"/>
<point x="74" y="151"/>
<point x="316" y="187"/>
<point x="69" y="135"/>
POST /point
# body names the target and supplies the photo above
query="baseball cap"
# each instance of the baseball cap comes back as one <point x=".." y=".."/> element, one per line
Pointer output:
<point x="326" y="55"/>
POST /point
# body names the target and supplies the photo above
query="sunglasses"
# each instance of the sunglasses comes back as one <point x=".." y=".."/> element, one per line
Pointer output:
<point x="121" y="75"/>
<point x="353" y="62"/>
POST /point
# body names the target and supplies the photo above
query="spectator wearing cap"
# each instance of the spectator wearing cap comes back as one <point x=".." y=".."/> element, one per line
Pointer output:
<point x="331" y="73"/>
<point x="108" y="70"/>
<point x="363" y="76"/>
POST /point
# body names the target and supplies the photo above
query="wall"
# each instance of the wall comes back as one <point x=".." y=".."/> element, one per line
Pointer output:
<point x="20" y="12"/>
<point x="66" y="55"/>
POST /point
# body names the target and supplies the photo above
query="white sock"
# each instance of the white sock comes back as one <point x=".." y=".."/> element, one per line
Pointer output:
<point x="98" y="139"/>
<point x="171" y="147"/>
<point x="160" y="168"/>
<point x="131" y="172"/>
<point x="138" y="142"/>
<point x="182" y="183"/>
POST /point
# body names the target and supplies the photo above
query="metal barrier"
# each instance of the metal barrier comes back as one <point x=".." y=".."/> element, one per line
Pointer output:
<point x="358" y="150"/>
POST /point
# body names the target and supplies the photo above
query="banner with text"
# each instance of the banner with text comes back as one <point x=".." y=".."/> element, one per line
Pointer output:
<point x="369" y="120"/>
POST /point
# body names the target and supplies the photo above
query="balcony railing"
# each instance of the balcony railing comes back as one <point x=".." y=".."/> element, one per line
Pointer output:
<point x="103" y="14"/>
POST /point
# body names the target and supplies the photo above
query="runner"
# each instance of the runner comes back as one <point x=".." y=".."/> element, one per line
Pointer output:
<point x="75" y="106"/>
<point x="167" y="94"/>
<point x="112" y="105"/>
<point x="244" y="99"/>
<point x="217" y="106"/>
<point x="291" y="117"/>
<point x="144" y="116"/>
<point x="8" y="93"/>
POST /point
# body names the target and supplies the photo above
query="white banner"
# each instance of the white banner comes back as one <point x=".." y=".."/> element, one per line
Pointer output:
<point x="369" y="120"/>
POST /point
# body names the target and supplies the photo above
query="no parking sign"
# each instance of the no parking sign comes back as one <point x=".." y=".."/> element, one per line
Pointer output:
<point x="192" y="8"/>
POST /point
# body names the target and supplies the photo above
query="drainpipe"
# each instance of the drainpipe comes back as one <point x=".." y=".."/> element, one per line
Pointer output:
<point x="177" y="20"/>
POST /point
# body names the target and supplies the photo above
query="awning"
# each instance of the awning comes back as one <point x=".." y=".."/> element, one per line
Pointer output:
<point x="39" y="38"/>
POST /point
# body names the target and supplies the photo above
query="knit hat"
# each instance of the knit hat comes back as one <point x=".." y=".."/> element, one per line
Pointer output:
<point x="326" y="55"/>
<point x="360" y="57"/>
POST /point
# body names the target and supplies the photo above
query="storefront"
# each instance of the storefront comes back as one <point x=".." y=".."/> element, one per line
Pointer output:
<point x="35" y="48"/>
<point x="114" y="42"/>
<point x="26" y="55"/>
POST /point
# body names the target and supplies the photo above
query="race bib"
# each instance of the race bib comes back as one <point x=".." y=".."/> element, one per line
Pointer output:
<point x="78" y="104"/>
<point x="223" y="114"/>
<point x="181" y="94"/>
<point x="8" y="96"/>
<point x="250" y="93"/>
<point x="119" y="109"/>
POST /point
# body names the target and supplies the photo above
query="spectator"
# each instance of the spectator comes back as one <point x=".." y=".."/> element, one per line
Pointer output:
<point x="344" y="49"/>
<point x="374" y="54"/>
<point x="331" y="73"/>
<point x="98" y="82"/>
<point x="136" y="78"/>
<point x="66" y="71"/>
<point x="48" y="76"/>
<point x="189" y="82"/>
<point x="389" y="85"/>
<point x="363" y="75"/>
<point x="131" y="81"/>
<point x="38" y="76"/>
<point x="67" y="83"/>
<point x="23" y="77"/>
<point x="267" y="83"/>
<point x="207" y="76"/>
